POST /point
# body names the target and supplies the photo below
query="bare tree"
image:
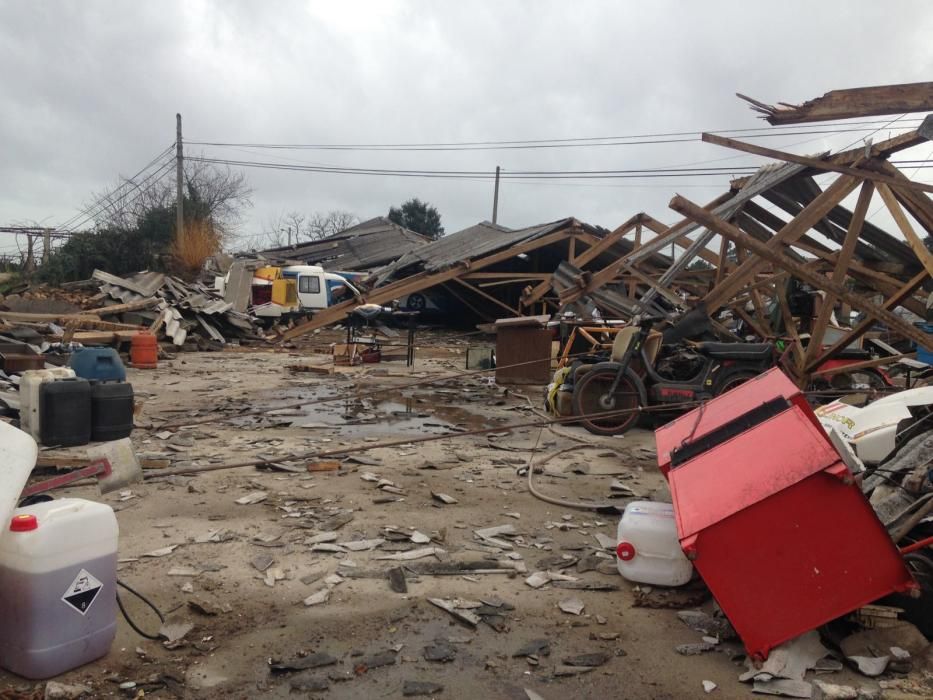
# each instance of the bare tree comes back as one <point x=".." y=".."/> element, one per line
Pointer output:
<point x="322" y="225"/>
<point x="216" y="193"/>
<point x="285" y="229"/>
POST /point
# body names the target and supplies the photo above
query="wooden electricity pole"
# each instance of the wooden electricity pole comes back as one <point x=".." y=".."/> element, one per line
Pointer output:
<point x="179" y="180"/>
<point x="495" y="198"/>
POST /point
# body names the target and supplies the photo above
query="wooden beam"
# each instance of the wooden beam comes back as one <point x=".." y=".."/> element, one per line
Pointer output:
<point x="795" y="228"/>
<point x="459" y="297"/>
<point x="851" y="103"/>
<point x="745" y="316"/>
<point x="584" y="258"/>
<point x="506" y="276"/>
<point x="129" y="306"/>
<point x="724" y="228"/>
<point x="683" y="241"/>
<point x="790" y="328"/>
<point x="663" y="291"/>
<point x="916" y="244"/>
<point x="891" y="302"/>
<point x="816" y="163"/>
<point x="839" y="273"/>
<point x="487" y="297"/>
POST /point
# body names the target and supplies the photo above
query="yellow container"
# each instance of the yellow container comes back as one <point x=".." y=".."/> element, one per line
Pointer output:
<point x="285" y="292"/>
<point x="268" y="273"/>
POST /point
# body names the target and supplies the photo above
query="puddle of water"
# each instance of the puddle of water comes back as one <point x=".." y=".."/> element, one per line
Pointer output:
<point x="396" y="414"/>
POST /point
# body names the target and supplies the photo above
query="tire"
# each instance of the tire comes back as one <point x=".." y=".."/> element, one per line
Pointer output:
<point x="732" y="379"/>
<point x="588" y="394"/>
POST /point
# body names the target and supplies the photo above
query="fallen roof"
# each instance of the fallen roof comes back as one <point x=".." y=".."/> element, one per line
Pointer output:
<point x="475" y="242"/>
<point x="367" y="245"/>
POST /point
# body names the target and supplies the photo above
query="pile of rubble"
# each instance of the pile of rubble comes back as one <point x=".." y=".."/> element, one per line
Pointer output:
<point x="108" y="309"/>
<point x="176" y="309"/>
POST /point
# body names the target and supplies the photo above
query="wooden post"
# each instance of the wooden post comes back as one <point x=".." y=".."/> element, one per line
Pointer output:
<point x="920" y="250"/>
<point x="819" y="281"/>
<point x="798" y="226"/>
<point x="839" y="273"/>
<point x="889" y="303"/>
<point x="179" y="180"/>
<point x="495" y="198"/>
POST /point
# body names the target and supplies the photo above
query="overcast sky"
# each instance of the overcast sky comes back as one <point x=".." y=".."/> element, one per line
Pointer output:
<point x="91" y="88"/>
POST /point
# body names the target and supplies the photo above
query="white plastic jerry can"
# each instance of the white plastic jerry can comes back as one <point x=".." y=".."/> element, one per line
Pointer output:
<point x="648" y="550"/>
<point x="29" y="384"/>
<point x="58" y="573"/>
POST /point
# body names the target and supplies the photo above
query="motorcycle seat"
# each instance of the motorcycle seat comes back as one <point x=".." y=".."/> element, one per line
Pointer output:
<point x="736" y="351"/>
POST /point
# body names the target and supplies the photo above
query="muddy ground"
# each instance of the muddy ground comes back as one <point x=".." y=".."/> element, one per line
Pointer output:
<point x="219" y="543"/>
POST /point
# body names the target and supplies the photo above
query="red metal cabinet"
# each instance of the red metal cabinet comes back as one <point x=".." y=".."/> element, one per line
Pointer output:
<point x="771" y="517"/>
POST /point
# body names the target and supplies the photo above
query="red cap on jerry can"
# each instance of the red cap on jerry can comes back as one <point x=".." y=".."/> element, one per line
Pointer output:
<point x="625" y="551"/>
<point x="23" y="523"/>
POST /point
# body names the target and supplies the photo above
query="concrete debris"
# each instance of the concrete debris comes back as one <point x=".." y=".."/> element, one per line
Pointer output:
<point x="709" y="686"/>
<point x="440" y="650"/>
<point x="317" y="598"/>
<point x="272" y="575"/>
<point x="385" y="658"/>
<point x="443" y="498"/>
<point x="457" y="610"/>
<point x="412" y="554"/>
<point x="362" y="545"/>
<point x="790" y="660"/>
<point x="175" y="630"/>
<point x="61" y="691"/>
<point x="412" y="689"/>
<point x="591" y="660"/>
<point x="833" y="691"/>
<point x="536" y="647"/>
<point x="397" y="582"/>
<point x="784" y="687"/>
<point x="694" y="649"/>
<point x="870" y="666"/>
<point x="309" y="685"/>
<point x="261" y="562"/>
<point x="252" y="497"/>
<point x="161" y="551"/>
<point x="303" y="663"/>
<point x="571" y="606"/>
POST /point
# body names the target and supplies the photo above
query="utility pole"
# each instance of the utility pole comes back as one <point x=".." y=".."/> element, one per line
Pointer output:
<point x="495" y="198"/>
<point x="179" y="180"/>
<point x="46" y="245"/>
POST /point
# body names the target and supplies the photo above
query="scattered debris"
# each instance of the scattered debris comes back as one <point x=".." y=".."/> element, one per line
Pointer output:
<point x="571" y="606"/>
<point x="303" y="663"/>
<point x="419" y="688"/>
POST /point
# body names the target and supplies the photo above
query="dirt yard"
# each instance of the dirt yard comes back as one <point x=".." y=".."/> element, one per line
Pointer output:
<point x="242" y="573"/>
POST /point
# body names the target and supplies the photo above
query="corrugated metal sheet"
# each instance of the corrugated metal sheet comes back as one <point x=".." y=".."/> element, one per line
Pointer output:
<point x="367" y="245"/>
<point x="474" y="242"/>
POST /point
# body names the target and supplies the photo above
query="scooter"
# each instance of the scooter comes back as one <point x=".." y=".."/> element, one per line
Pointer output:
<point x="631" y="378"/>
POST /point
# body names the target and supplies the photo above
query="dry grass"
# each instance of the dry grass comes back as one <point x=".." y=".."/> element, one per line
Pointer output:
<point x="200" y="240"/>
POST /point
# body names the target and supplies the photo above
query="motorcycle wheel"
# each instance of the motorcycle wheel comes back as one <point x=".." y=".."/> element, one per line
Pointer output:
<point x="732" y="380"/>
<point x="590" y="396"/>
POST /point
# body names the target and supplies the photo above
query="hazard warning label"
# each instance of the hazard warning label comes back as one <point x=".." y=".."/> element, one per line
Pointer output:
<point x="82" y="592"/>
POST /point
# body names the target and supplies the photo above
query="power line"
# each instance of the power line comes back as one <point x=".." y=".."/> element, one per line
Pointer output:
<point x="486" y="175"/>
<point x="150" y="179"/>
<point x="624" y="140"/>
<point x="69" y="224"/>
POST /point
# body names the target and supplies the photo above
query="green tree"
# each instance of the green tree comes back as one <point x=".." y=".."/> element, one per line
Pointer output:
<point x="419" y="217"/>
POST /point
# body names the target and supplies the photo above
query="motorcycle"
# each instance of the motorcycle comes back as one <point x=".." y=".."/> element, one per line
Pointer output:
<point x="638" y="374"/>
